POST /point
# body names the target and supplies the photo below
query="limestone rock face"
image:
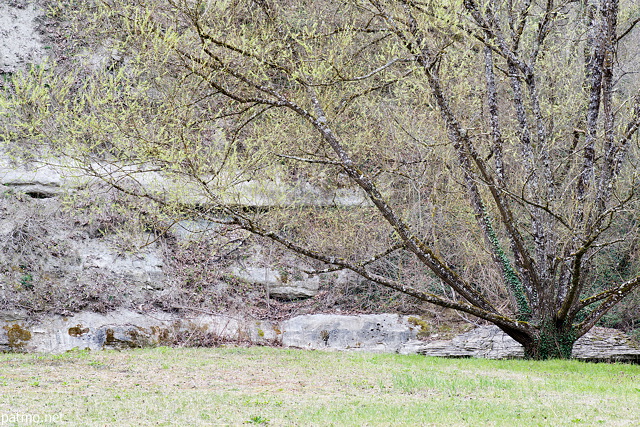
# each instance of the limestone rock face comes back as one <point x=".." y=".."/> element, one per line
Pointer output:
<point x="19" y="40"/>
<point x="121" y="329"/>
<point x="51" y="260"/>
<point x="486" y="342"/>
<point x="380" y="333"/>
<point x="39" y="182"/>
<point x="383" y="333"/>
<point x="143" y="267"/>
<point x="124" y="329"/>
<point x="280" y="285"/>
<point x="606" y="344"/>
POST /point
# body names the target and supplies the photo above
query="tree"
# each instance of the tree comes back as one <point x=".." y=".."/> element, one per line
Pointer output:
<point x="495" y="141"/>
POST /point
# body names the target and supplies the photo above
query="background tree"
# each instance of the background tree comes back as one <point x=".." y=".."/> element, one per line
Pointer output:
<point x="495" y="141"/>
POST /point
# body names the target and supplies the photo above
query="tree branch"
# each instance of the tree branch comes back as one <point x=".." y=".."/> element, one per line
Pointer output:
<point x="611" y="298"/>
<point x="500" y="320"/>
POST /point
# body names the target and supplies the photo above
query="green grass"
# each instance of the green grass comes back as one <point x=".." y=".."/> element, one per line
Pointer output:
<point x="267" y="386"/>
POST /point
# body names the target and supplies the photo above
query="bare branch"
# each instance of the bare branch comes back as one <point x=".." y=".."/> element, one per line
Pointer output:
<point x="628" y="30"/>
<point x="502" y="321"/>
<point x="611" y="297"/>
<point x="313" y="161"/>
<point x="370" y="74"/>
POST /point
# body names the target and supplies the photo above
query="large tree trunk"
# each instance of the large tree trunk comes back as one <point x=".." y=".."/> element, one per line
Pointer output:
<point x="550" y="341"/>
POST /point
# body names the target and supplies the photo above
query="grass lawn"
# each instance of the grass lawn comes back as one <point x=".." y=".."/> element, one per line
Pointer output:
<point x="234" y="386"/>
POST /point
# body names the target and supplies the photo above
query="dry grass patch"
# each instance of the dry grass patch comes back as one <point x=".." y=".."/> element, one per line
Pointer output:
<point x="232" y="386"/>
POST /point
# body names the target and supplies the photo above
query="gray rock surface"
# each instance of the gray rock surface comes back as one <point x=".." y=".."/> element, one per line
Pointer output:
<point x="487" y="342"/>
<point x="380" y="333"/>
<point x="58" y="175"/>
<point x="35" y="233"/>
<point x="193" y="230"/>
<point x="19" y="40"/>
<point x="383" y="333"/>
<point x="142" y="267"/>
<point x="127" y="329"/>
<point x="13" y="315"/>
<point x="280" y="285"/>
<point x="43" y="181"/>
<point x="606" y="344"/>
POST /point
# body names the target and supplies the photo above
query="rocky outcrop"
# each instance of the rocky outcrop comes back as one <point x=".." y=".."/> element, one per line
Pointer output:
<point x="380" y="333"/>
<point x="487" y="342"/>
<point x="122" y="329"/>
<point x="19" y="40"/>
<point x="51" y="260"/>
<point x="280" y="285"/>
<point x="606" y="344"/>
<point x="145" y="267"/>
<point x="127" y="329"/>
<point x="52" y="177"/>
<point x="491" y="343"/>
<point x="383" y="333"/>
<point x="37" y="182"/>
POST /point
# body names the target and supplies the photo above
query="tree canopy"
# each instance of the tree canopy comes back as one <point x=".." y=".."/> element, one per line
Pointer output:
<point x="493" y="143"/>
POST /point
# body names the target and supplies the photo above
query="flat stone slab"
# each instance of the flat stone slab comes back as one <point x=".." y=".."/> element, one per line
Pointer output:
<point x="279" y="285"/>
<point x="487" y="342"/>
<point x="606" y="344"/>
<point x="382" y="333"/>
<point x="43" y="181"/>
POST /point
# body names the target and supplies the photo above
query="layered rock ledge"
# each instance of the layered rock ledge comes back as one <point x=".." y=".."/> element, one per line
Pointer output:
<point x="381" y="333"/>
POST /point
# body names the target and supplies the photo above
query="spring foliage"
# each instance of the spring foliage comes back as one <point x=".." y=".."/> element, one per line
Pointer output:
<point x="478" y="155"/>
